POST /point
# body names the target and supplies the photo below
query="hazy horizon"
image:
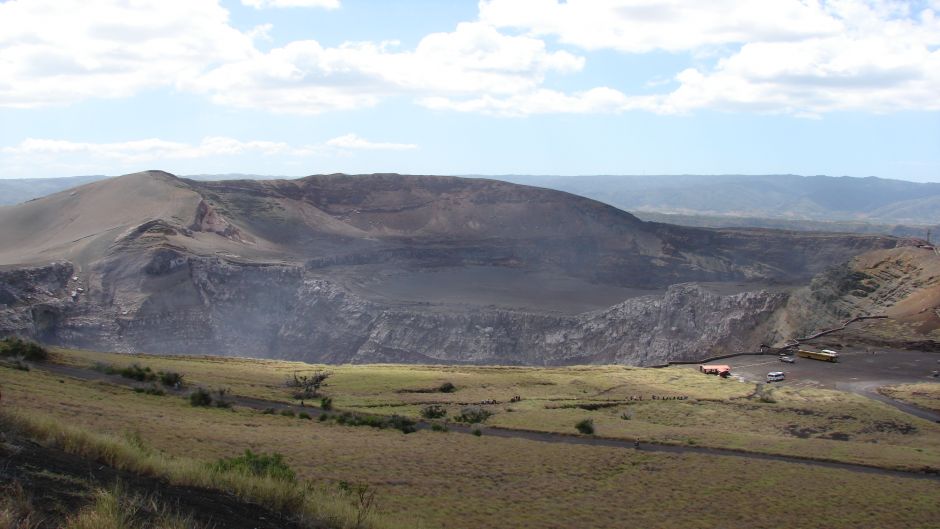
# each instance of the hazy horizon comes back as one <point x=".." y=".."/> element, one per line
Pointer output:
<point x="468" y="175"/>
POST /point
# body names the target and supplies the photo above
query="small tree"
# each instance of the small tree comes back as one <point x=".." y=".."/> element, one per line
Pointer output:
<point x="309" y="385"/>
<point x="363" y="499"/>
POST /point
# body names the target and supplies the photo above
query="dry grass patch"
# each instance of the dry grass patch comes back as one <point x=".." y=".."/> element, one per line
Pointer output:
<point x="925" y="395"/>
<point x="461" y="481"/>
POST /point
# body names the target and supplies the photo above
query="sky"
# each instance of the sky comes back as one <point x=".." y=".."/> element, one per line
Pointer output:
<point x="297" y="87"/>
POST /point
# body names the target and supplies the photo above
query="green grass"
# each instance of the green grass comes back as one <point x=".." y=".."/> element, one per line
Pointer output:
<point x="714" y="412"/>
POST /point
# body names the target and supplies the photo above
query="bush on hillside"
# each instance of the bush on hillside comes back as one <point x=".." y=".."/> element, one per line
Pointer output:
<point x="586" y="426"/>
<point x="23" y="349"/>
<point x="252" y="464"/>
<point x="200" y="397"/>
<point x="138" y="373"/>
<point x="170" y="378"/>
<point x="434" y="411"/>
<point x="473" y="415"/>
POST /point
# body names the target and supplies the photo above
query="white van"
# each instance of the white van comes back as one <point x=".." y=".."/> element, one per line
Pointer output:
<point x="775" y="376"/>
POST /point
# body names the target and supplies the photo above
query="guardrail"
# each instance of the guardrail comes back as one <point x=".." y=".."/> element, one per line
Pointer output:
<point x="770" y="350"/>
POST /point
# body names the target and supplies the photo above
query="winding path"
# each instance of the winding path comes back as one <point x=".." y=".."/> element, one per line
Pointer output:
<point x="538" y="436"/>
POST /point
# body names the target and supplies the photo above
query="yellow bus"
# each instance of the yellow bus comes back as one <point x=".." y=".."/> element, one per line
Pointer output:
<point x="827" y="355"/>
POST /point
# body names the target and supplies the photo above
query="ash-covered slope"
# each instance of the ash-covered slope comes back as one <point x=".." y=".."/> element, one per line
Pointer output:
<point x="348" y="268"/>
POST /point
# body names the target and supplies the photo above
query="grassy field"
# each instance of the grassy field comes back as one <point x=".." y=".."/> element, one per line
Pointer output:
<point x="926" y="395"/>
<point x="432" y="479"/>
<point x="713" y="412"/>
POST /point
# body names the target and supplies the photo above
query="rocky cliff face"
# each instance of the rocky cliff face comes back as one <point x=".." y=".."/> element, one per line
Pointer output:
<point x="209" y="306"/>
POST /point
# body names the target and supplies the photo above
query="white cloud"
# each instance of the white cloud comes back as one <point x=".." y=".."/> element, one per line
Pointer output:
<point x="305" y="77"/>
<point x="639" y="26"/>
<point x="153" y="149"/>
<point x="803" y="57"/>
<point x="58" y="52"/>
<point x="353" y="141"/>
<point x="800" y="57"/>
<point x="879" y="63"/>
<point x="260" y="4"/>
<point x="543" y="101"/>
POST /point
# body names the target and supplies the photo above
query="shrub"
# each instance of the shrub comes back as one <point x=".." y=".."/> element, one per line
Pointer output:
<point x="170" y="378"/>
<point x="107" y="369"/>
<point x="152" y="390"/>
<point x="626" y="415"/>
<point x="586" y="426"/>
<point x="16" y="363"/>
<point x="138" y="373"/>
<point x="304" y="415"/>
<point x="767" y="398"/>
<point x="363" y="497"/>
<point x="447" y="387"/>
<point x="220" y="399"/>
<point x="440" y="428"/>
<point x="287" y="413"/>
<point x="24" y="349"/>
<point x="477" y="432"/>
<point x="268" y="411"/>
<point x="433" y="411"/>
<point x="764" y="394"/>
<point x="200" y="397"/>
<point x="403" y="424"/>
<point x="252" y="464"/>
<point x="473" y="415"/>
<point x="326" y="403"/>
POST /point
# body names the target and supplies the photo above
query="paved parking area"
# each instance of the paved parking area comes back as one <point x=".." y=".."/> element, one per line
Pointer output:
<point x="878" y="366"/>
<point x="860" y="371"/>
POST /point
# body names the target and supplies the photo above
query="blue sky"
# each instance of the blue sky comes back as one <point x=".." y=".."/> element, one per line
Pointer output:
<point x="295" y="87"/>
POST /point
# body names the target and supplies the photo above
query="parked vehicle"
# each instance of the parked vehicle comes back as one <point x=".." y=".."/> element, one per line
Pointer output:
<point x="826" y="355"/>
<point x="724" y="371"/>
<point x="775" y="376"/>
<point x="787" y="359"/>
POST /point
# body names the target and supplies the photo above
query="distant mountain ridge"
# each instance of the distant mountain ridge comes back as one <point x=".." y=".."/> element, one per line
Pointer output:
<point x="791" y="197"/>
<point x="18" y="190"/>
<point x="785" y="196"/>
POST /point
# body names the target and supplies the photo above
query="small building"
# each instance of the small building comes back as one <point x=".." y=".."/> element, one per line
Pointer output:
<point x="721" y="370"/>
